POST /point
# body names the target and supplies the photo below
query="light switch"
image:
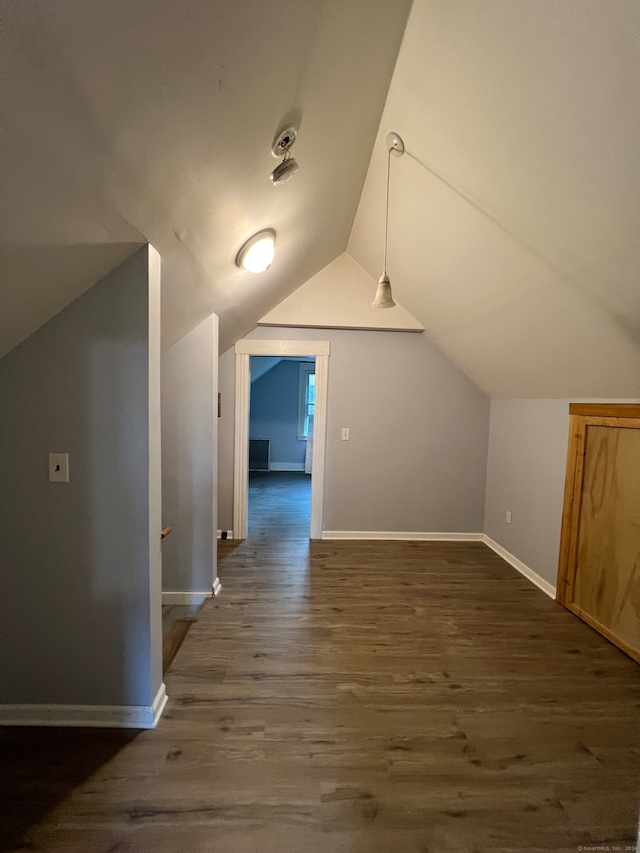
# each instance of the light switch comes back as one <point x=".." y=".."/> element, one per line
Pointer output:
<point x="345" y="433"/>
<point x="58" y="467"/>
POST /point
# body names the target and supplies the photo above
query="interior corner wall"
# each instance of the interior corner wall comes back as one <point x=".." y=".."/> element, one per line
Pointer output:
<point x="416" y="459"/>
<point x="189" y="460"/>
<point x="525" y="476"/>
<point x="274" y="413"/>
<point x="80" y="566"/>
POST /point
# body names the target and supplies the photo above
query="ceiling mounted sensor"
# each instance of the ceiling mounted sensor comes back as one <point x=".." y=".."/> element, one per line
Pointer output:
<point x="282" y="148"/>
<point x="384" y="299"/>
<point x="256" y="255"/>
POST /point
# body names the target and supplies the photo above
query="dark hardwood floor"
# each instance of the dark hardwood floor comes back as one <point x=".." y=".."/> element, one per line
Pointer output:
<point x="279" y="505"/>
<point x="353" y="697"/>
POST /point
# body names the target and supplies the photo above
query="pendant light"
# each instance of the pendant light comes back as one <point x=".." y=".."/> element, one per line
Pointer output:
<point x="384" y="299"/>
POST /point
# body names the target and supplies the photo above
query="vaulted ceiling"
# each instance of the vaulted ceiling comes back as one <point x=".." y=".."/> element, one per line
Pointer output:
<point x="515" y="214"/>
<point x="521" y="254"/>
<point x="125" y="121"/>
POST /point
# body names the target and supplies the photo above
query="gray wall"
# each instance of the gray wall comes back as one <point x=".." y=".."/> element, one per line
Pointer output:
<point x="80" y="603"/>
<point x="525" y="475"/>
<point x="274" y="411"/>
<point x="190" y="459"/>
<point x="416" y="460"/>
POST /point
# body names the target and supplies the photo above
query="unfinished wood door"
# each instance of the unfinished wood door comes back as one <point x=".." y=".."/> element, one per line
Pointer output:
<point x="599" y="570"/>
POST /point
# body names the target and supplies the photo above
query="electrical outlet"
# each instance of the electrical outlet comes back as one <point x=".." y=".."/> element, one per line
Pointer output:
<point x="58" y="467"/>
<point x="508" y="517"/>
<point x="345" y="433"/>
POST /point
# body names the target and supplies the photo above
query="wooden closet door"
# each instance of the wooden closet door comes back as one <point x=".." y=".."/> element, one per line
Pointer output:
<point x="602" y="559"/>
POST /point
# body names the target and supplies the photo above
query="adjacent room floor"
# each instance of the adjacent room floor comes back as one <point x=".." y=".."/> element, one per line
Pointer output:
<point x="279" y="504"/>
<point x="366" y="697"/>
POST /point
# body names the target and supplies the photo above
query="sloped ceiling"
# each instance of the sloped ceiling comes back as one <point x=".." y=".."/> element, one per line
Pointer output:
<point x="523" y="262"/>
<point x="147" y="120"/>
<point x="339" y="297"/>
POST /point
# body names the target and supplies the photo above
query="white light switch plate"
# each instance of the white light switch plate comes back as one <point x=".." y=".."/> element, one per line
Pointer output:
<point x="58" y="467"/>
<point x="345" y="433"/>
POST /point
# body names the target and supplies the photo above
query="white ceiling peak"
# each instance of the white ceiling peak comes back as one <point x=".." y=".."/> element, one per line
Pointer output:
<point x="339" y="297"/>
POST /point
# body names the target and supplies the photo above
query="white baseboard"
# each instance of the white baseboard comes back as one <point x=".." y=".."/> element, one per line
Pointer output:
<point x="229" y="534"/>
<point x="86" y="716"/>
<point x="286" y="466"/>
<point x="517" y="564"/>
<point x="402" y="535"/>
<point x="217" y="586"/>
<point x="185" y="597"/>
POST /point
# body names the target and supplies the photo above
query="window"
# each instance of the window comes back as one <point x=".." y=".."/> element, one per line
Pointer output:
<point x="306" y="398"/>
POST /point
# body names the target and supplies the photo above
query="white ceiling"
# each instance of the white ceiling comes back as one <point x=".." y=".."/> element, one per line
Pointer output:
<point x="532" y="111"/>
<point x="125" y="121"/>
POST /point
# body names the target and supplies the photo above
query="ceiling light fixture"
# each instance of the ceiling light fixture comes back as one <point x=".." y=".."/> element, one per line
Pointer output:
<point x="256" y="255"/>
<point x="281" y="148"/>
<point x="384" y="299"/>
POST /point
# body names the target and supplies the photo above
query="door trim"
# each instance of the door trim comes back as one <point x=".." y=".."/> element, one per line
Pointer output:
<point x="244" y="350"/>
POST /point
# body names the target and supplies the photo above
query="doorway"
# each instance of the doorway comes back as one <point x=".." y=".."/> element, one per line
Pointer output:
<point x="281" y="417"/>
<point x="318" y="350"/>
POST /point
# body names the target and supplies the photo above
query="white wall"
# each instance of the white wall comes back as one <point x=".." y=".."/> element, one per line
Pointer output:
<point x="190" y="459"/>
<point x="80" y="608"/>
<point x="416" y="460"/>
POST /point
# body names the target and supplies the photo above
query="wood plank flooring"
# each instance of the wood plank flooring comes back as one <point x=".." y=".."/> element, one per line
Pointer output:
<point x="279" y="505"/>
<point x="177" y="620"/>
<point x="353" y="697"/>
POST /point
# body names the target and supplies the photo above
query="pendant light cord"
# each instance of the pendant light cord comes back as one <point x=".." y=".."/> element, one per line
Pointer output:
<point x="386" y="215"/>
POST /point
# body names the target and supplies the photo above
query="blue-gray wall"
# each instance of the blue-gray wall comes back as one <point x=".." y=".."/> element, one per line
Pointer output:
<point x="525" y="476"/>
<point x="274" y="412"/>
<point x="190" y="459"/>
<point x="80" y="608"/>
<point x="417" y="458"/>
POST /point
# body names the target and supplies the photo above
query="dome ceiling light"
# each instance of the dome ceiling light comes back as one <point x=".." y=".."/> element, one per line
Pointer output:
<point x="256" y="255"/>
<point x="282" y="148"/>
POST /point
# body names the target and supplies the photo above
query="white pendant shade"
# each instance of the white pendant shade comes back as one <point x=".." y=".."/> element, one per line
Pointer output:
<point x="258" y="252"/>
<point x="383" y="299"/>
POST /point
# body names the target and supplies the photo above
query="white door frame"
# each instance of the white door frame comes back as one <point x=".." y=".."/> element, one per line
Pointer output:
<point x="244" y="350"/>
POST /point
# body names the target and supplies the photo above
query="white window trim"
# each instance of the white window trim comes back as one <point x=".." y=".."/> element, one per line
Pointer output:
<point x="306" y="367"/>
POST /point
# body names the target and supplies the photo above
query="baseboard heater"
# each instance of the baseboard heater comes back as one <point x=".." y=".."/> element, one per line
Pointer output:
<point x="259" y="452"/>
